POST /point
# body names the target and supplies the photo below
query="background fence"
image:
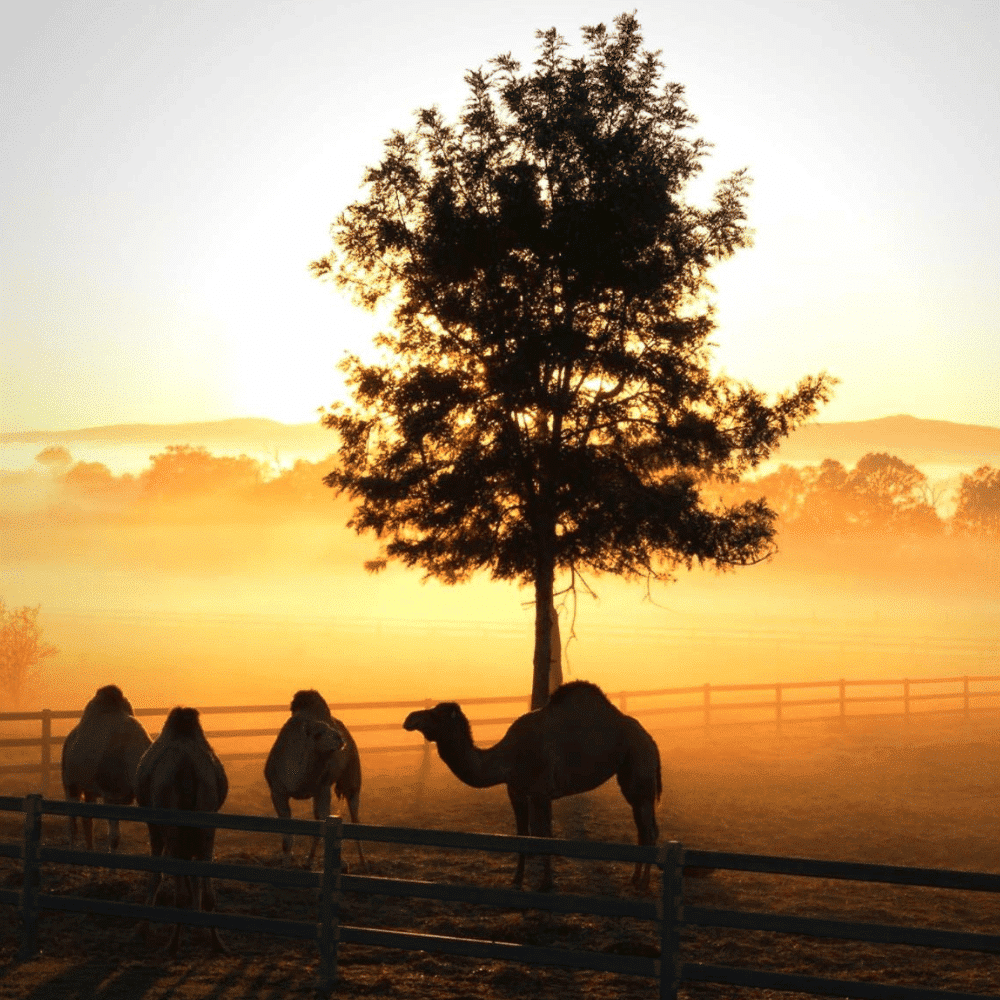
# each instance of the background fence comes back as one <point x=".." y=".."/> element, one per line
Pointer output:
<point x="705" y="705"/>
<point x="669" y="969"/>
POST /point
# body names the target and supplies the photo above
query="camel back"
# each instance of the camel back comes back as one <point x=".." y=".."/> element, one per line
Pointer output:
<point x="575" y="690"/>
<point x="104" y="748"/>
<point x="108" y="699"/>
<point x="182" y="739"/>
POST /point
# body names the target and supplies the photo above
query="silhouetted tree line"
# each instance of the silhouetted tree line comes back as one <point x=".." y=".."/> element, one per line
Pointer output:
<point x="182" y="478"/>
<point x="881" y="496"/>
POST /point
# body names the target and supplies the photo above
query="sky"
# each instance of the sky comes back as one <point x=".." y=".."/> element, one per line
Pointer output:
<point x="172" y="168"/>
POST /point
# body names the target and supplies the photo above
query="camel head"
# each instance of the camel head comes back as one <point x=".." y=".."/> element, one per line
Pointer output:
<point x="312" y="703"/>
<point x="183" y="722"/>
<point x="442" y="722"/>
<point x="110" y="699"/>
<point x="321" y="740"/>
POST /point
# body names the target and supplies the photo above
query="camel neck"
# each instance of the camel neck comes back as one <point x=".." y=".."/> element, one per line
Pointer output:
<point x="472" y="765"/>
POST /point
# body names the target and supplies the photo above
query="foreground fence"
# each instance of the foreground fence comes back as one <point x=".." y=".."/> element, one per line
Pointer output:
<point x="669" y="913"/>
<point x="663" y="708"/>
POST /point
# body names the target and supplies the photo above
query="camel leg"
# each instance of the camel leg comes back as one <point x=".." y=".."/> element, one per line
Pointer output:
<point x="183" y="890"/>
<point x="208" y="905"/>
<point x="114" y="835"/>
<point x="206" y="896"/>
<point x="72" y="795"/>
<point x="352" y="805"/>
<point x="644" y="813"/>
<point x="284" y="810"/>
<point x="321" y="809"/>
<point x="519" y="803"/>
<point x="87" y="822"/>
<point x="540" y="824"/>
<point x="154" y="879"/>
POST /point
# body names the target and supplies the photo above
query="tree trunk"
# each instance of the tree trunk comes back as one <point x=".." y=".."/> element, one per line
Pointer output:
<point x="555" y="653"/>
<point x="544" y="580"/>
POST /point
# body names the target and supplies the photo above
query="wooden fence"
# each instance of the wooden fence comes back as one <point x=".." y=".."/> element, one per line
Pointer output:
<point x="706" y="704"/>
<point x="669" y="912"/>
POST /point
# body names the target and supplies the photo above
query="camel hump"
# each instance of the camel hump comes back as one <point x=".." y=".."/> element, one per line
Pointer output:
<point x="183" y="723"/>
<point x="110" y="699"/>
<point x="577" y="689"/>
<point x="312" y="703"/>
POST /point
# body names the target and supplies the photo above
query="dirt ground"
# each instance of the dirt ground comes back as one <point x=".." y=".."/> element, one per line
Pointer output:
<point x="926" y="794"/>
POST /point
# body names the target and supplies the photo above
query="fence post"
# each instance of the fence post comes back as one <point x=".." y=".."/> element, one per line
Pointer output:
<point x="31" y="872"/>
<point x="671" y="917"/>
<point x="707" y="700"/>
<point x="329" y="906"/>
<point x="46" y="749"/>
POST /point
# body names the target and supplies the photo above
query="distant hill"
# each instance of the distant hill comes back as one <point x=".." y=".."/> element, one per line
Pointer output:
<point x="252" y="434"/>
<point x="910" y="438"/>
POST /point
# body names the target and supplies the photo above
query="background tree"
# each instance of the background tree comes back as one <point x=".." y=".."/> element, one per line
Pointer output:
<point x="888" y="494"/>
<point x="546" y="402"/>
<point x="56" y="458"/>
<point x="21" y="650"/>
<point x="182" y="472"/>
<point x="978" y="508"/>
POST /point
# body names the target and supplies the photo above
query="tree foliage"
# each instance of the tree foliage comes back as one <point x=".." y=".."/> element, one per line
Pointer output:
<point x="21" y="650"/>
<point x="978" y="509"/>
<point x="546" y="400"/>
<point x="881" y="496"/>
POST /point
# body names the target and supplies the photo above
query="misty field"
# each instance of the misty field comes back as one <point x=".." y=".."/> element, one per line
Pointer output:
<point x="923" y="794"/>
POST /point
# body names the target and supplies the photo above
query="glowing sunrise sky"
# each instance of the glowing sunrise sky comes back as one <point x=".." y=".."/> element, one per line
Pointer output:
<point x="172" y="168"/>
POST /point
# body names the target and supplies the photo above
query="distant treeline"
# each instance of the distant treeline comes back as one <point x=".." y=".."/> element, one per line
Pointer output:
<point x="881" y="496"/>
<point x="182" y="482"/>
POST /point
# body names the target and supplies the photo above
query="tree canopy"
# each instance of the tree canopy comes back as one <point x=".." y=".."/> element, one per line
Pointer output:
<point x="978" y="509"/>
<point x="881" y="496"/>
<point x="21" y="650"/>
<point x="546" y="402"/>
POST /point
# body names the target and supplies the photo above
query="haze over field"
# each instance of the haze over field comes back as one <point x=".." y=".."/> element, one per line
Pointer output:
<point x="244" y="596"/>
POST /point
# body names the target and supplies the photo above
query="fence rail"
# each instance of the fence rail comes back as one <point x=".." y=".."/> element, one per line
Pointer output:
<point x="966" y="695"/>
<point x="669" y="912"/>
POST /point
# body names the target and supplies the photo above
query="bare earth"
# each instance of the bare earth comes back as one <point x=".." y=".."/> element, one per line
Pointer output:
<point x="923" y="795"/>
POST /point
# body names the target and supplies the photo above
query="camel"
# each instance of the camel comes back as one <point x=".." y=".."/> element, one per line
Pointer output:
<point x="573" y="744"/>
<point x="99" y="759"/>
<point x="313" y="753"/>
<point x="180" y="771"/>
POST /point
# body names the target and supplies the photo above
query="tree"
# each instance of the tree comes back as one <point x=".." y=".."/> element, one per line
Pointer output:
<point x="978" y="508"/>
<point x="55" y="458"/>
<point x="546" y="402"/>
<point x="182" y="472"/>
<point x="889" y="494"/>
<point x="881" y="495"/>
<point x="21" y="649"/>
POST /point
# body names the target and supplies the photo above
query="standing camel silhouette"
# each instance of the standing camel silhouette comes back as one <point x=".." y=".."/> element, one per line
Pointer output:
<point x="100" y="756"/>
<point x="313" y="753"/>
<point x="180" y="771"/>
<point x="573" y="744"/>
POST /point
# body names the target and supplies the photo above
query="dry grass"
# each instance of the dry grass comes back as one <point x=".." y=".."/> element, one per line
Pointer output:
<point x="923" y="795"/>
